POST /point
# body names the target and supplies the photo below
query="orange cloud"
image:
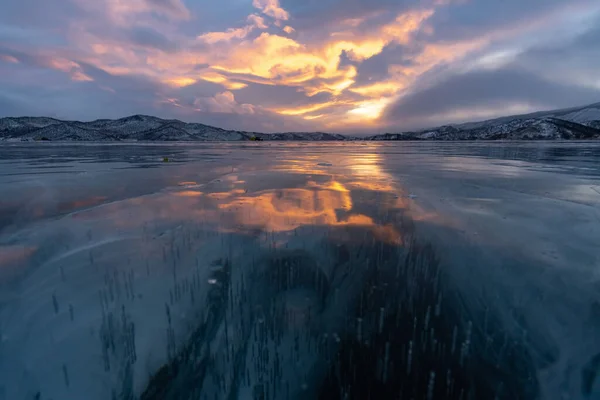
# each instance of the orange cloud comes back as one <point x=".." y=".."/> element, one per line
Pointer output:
<point x="254" y="22"/>
<point x="215" y="37"/>
<point x="260" y="54"/>
<point x="258" y="21"/>
<point x="369" y="110"/>
<point x="81" y="77"/>
<point x="315" y="68"/>
<point x="70" y="67"/>
<point x="62" y="64"/>
<point x="180" y="81"/>
<point x="405" y="24"/>
<point x="217" y="78"/>
<point x="379" y="89"/>
<point x="311" y="117"/>
<point x="304" y="109"/>
<point x="272" y="9"/>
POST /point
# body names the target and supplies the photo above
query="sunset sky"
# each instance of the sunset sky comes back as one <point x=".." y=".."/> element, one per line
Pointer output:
<point x="351" y="66"/>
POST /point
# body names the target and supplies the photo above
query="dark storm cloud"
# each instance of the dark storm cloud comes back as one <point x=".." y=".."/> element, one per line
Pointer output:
<point x="581" y="52"/>
<point x="376" y="68"/>
<point x="548" y="75"/>
<point x="488" y="88"/>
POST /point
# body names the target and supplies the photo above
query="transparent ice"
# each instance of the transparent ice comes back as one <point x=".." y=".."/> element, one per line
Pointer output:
<point x="300" y="271"/>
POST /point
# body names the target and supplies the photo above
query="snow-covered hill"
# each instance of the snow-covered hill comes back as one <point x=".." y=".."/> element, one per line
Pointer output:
<point x="572" y="123"/>
<point x="136" y="127"/>
<point x="515" y="129"/>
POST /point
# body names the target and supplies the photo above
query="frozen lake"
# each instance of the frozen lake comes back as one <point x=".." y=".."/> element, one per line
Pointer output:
<point x="272" y="271"/>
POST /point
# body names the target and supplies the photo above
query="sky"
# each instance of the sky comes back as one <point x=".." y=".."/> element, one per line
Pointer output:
<point x="348" y="66"/>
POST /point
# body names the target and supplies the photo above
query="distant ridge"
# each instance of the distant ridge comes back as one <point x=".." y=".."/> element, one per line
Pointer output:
<point x="571" y="123"/>
<point x="564" y="124"/>
<point x="134" y="128"/>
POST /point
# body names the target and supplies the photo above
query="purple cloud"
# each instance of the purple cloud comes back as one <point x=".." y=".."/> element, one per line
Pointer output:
<point x="337" y="65"/>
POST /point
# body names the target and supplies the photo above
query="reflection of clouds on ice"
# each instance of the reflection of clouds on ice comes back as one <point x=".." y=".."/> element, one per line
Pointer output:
<point x="256" y="275"/>
<point x="11" y="255"/>
<point x="93" y="301"/>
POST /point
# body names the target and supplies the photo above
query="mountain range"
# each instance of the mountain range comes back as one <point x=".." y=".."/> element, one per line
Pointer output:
<point x="569" y="123"/>
<point x="572" y="123"/>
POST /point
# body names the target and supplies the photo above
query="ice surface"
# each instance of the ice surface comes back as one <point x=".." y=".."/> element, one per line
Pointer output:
<point x="262" y="271"/>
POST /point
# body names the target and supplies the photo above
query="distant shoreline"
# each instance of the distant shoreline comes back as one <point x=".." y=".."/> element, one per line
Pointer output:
<point x="580" y="123"/>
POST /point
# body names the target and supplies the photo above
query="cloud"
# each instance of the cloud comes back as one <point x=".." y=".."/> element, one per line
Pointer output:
<point x="575" y="60"/>
<point x="309" y="14"/>
<point x="508" y="77"/>
<point x="150" y="38"/>
<point x="120" y="9"/>
<point x="468" y="19"/>
<point x="272" y="9"/>
<point x="222" y="103"/>
<point x="173" y="8"/>
<point x="254" y="22"/>
<point x="8" y="58"/>
<point x="257" y="21"/>
<point x="315" y="68"/>
<point x="230" y="34"/>
<point x="340" y="65"/>
<point x="57" y="63"/>
<point x="483" y="93"/>
<point x="278" y="96"/>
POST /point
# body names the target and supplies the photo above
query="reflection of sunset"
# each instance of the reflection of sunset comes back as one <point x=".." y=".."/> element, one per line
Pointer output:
<point x="314" y="195"/>
<point x="69" y="206"/>
<point x="288" y="209"/>
<point x="368" y="165"/>
<point x="329" y="190"/>
<point x="224" y="195"/>
<point x="10" y="255"/>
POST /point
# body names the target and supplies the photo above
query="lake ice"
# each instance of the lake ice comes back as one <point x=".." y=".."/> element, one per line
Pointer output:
<point x="299" y="271"/>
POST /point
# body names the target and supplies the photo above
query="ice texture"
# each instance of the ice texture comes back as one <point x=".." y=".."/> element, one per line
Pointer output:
<point x="288" y="271"/>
